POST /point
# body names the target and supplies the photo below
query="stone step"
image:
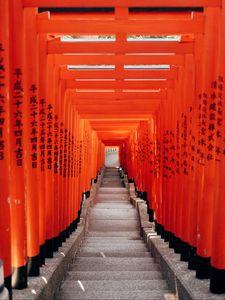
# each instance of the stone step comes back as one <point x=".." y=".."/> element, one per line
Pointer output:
<point x="112" y="238"/>
<point x="112" y="178"/>
<point x="128" y="234"/>
<point x="140" y="266"/>
<point x="111" y="175"/>
<point x="117" y="295"/>
<point x="113" y="225"/>
<point x="120" y="210"/>
<point x="114" y="254"/>
<point x="113" y="248"/>
<point x="116" y="242"/>
<point x="109" y="200"/>
<point x="104" y="195"/>
<point x="113" y="261"/>
<point x="114" y="275"/>
<point x="111" y="184"/>
<point x="114" y="285"/>
<point x="115" y="190"/>
<point x="112" y="244"/>
<point x="112" y="205"/>
<point x="123" y="196"/>
<point x="117" y="211"/>
<point x="106" y="214"/>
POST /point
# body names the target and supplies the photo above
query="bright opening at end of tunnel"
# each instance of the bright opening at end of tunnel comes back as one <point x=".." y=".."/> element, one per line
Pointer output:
<point x="112" y="156"/>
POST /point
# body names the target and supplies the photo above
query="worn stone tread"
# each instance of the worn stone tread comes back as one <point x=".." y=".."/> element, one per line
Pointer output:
<point x="114" y="254"/>
<point x="114" y="275"/>
<point x="116" y="267"/>
<point x="108" y="285"/>
<point x="119" y="295"/>
<point x="108" y="261"/>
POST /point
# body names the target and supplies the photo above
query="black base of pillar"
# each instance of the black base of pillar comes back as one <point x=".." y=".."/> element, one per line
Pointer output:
<point x="75" y="224"/>
<point x="151" y="214"/>
<point x="171" y="240"/>
<point x="42" y="255"/>
<point x="145" y="196"/>
<point x="192" y="258"/>
<point x="71" y="228"/>
<point x="158" y="228"/>
<point x="19" y="278"/>
<point x="166" y="235"/>
<point x="8" y="285"/>
<point x="60" y="239"/>
<point x="138" y="194"/>
<point x="88" y="193"/>
<point x="184" y="251"/>
<point x="202" y="267"/>
<point x="177" y="245"/>
<point x="217" y="281"/>
<point x="49" y="248"/>
<point x="62" y="236"/>
<point x="79" y="213"/>
<point x="33" y="266"/>
<point x="55" y="243"/>
<point x="67" y="232"/>
<point x="162" y="232"/>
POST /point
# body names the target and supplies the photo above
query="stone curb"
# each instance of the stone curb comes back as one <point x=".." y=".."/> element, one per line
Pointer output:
<point x="179" y="278"/>
<point x="46" y="286"/>
<point x="141" y="207"/>
<point x="181" y="281"/>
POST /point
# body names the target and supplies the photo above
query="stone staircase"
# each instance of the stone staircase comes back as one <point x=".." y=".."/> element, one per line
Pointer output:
<point x="113" y="261"/>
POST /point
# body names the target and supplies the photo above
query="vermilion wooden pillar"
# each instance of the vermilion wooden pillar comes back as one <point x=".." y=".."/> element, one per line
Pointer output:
<point x="217" y="275"/>
<point x="62" y="89"/>
<point x="31" y="133"/>
<point x="55" y="152"/>
<point x="207" y="164"/>
<point x="5" y="231"/>
<point x="17" y="151"/>
<point x="187" y="100"/>
<point x="194" y="171"/>
<point x="42" y="161"/>
<point x="49" y="203"/>
<point x="177" y="180"/>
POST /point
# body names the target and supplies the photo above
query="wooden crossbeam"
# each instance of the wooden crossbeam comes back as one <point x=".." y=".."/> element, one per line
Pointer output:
<point x="120" y="106"/>
<point x="114" y="127"/>
<point x="118" y="116"/>
<point x="119" y="95"/>
<point x="122" y="3"/>
<point x="119" y="59"/>
<point x="114" y="102"/>
<point x="155" y="27"/>
<point x="113" y="142"/>
<point x="57" y="47"/>
<point x="122" y="74"/>
<point x="151" y="84"/>
<point x="122" y="111"/>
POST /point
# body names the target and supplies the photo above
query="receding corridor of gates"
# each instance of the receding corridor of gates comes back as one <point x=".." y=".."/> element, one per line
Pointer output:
<point x="79" y="80"/>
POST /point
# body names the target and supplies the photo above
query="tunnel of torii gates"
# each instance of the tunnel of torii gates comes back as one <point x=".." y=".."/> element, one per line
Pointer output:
<point x="160" y="101"/>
